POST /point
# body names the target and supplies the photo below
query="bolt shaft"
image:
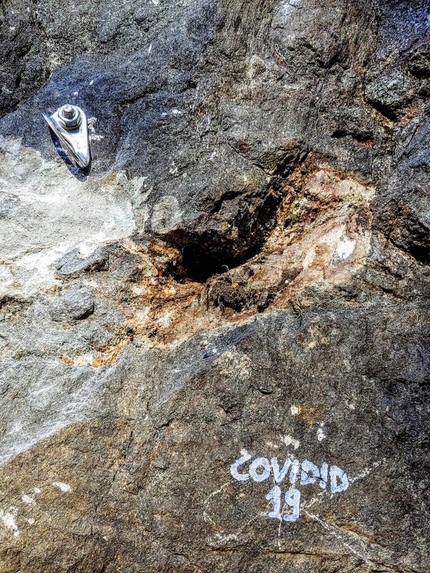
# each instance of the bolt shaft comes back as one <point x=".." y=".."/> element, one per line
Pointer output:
<point x="68" y="111"/>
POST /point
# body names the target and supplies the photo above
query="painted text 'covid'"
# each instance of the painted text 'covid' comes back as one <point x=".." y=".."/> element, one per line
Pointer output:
<point x="289" y="474"/>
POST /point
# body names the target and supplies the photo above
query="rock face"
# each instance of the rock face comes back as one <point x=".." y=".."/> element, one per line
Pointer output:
<point x="215" y="351"/>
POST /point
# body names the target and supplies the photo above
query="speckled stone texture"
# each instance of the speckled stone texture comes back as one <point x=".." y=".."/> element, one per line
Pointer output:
<point x="215" y="351"/>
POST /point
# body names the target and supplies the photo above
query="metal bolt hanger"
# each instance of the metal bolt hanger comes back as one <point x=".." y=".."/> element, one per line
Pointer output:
<point x="69" y="125"/>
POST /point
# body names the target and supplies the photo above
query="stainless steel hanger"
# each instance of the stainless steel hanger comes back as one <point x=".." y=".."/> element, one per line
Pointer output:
<point x="69" y="124"/>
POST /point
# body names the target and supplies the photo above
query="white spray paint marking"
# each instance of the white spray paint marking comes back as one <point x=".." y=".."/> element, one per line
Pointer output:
<point x="27" y="499"/>
<point x="37" y="490"/>
<point x="345" y="248"/>
<point x="63" y="486"/>
<point x="295" y="472"/>
<point x="235" y="467"/>
<point x="8" y="519"/>
<point x="292" y="500"/>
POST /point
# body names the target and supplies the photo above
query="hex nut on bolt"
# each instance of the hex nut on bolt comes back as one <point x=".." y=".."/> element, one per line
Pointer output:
<point x="69" y="116"/>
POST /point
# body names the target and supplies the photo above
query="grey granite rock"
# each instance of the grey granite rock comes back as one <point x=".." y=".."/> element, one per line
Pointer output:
<point x="8" y="202"/>
<point x="215" y="351"/>
<point x="71" y="264"/>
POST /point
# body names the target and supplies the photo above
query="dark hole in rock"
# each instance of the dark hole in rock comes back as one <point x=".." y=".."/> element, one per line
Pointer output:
<point x="236" y="228"/>
<point x="420" y="252"/>
<point x="199" y="265"/>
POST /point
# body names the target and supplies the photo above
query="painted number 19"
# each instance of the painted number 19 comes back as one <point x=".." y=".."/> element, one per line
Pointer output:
<point x="292" y="499"/>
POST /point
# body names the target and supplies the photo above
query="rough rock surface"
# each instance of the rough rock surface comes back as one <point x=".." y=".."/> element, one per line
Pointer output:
<point x="215" y="351"/>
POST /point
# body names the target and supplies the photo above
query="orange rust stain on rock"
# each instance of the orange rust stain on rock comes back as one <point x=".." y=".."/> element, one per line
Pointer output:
<point x="111" y="355"/>
<point x="321" y="210"/>
<point x="309" y="415"/>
